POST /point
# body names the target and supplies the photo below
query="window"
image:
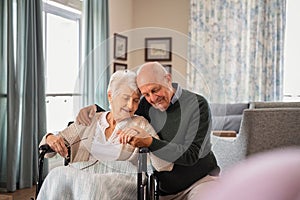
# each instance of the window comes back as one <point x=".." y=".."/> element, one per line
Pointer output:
<point x="292" y="44"/>
<point x="62" y="60"/>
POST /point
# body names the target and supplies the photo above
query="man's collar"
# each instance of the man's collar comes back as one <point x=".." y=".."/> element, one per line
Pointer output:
<point x="178" y="92"/>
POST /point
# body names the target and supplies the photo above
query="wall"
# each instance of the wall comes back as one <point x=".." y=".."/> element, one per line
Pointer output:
<point x="140" y="19"/>
<point x="120" y="15"/>
<point x="120" y="20"/>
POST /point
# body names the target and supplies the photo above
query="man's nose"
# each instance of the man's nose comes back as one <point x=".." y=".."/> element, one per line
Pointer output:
<point x="153" y="97"/>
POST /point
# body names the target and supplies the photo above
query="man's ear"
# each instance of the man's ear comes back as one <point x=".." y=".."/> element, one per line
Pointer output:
<point x="169" y="78"/>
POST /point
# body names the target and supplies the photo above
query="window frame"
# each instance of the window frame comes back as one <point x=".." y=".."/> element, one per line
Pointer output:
<point x="55" y="10"/>
<point x="66" y="12"/>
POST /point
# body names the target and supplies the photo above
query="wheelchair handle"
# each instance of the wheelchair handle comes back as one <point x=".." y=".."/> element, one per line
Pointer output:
<point x="46" y="148"/>
<point x="144" y="150"/>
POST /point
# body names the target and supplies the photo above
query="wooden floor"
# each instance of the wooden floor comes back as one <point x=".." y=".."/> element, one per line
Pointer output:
<point x="28" y="193"/>
<point x="23" y="194"/>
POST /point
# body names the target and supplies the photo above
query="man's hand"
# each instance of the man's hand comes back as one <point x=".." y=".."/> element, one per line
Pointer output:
<point x="135" y="136"/>
<point x="57" y="144"/>
<point x="86" y="114"/>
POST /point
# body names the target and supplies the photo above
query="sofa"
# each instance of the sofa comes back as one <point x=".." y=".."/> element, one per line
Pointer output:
<point x="264" y="126"/>
<point x="256" y="105"/>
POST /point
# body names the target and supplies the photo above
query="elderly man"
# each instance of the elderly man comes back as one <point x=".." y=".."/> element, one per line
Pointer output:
<point x="182" y="120"/>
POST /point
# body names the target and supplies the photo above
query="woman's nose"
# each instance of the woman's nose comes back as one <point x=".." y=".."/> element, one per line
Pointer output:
<point x="130" y="104"/>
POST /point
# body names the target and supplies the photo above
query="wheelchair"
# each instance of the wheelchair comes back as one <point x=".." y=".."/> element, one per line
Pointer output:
<point x="147" y="184"/>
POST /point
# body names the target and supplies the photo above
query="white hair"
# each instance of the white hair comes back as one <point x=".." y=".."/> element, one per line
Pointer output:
<point x="156" y="67"/>
<point x="122" y="77"/>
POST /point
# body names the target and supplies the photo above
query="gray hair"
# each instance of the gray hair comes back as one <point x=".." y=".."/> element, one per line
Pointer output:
<point x="122" y="77"/>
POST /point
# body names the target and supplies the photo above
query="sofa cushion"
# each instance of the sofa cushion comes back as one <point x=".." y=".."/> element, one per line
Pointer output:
<point x="227" y="123"/>
<point x="228" y="109"/>
<point x="227" y="117"/>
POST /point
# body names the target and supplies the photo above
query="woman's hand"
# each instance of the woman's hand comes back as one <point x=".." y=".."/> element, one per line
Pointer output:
<point x="135" y="136"/>
<point x="86" y="114"/>
<point x="57" y="144"/>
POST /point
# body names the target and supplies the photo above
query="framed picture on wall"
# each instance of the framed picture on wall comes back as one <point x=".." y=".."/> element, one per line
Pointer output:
<point x="119" y="66"/>
<point x="168" y="68"/>
<point x="120" y="47"/>
<point x="158" y="49"/>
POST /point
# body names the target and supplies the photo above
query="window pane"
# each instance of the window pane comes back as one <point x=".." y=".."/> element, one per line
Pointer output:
<point x="62" y="54"/>
<point x="292" y="43"/>
<point x="59" y="112"/>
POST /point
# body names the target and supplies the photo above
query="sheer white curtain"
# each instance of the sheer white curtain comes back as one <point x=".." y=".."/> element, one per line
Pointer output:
<point x="236" y="49"/>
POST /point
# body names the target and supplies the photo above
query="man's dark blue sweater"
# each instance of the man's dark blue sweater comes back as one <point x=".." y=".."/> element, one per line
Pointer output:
<point x="184" y="131"/>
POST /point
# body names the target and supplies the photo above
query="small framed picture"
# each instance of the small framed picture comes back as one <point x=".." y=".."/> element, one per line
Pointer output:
<point x="158" y="49"/>
<point x="119" y="66"/>
<point x="168" y="68"/>
<point x="120" y="47"/>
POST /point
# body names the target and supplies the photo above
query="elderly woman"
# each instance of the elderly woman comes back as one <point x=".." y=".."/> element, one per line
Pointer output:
<point x="102" y="173"/>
